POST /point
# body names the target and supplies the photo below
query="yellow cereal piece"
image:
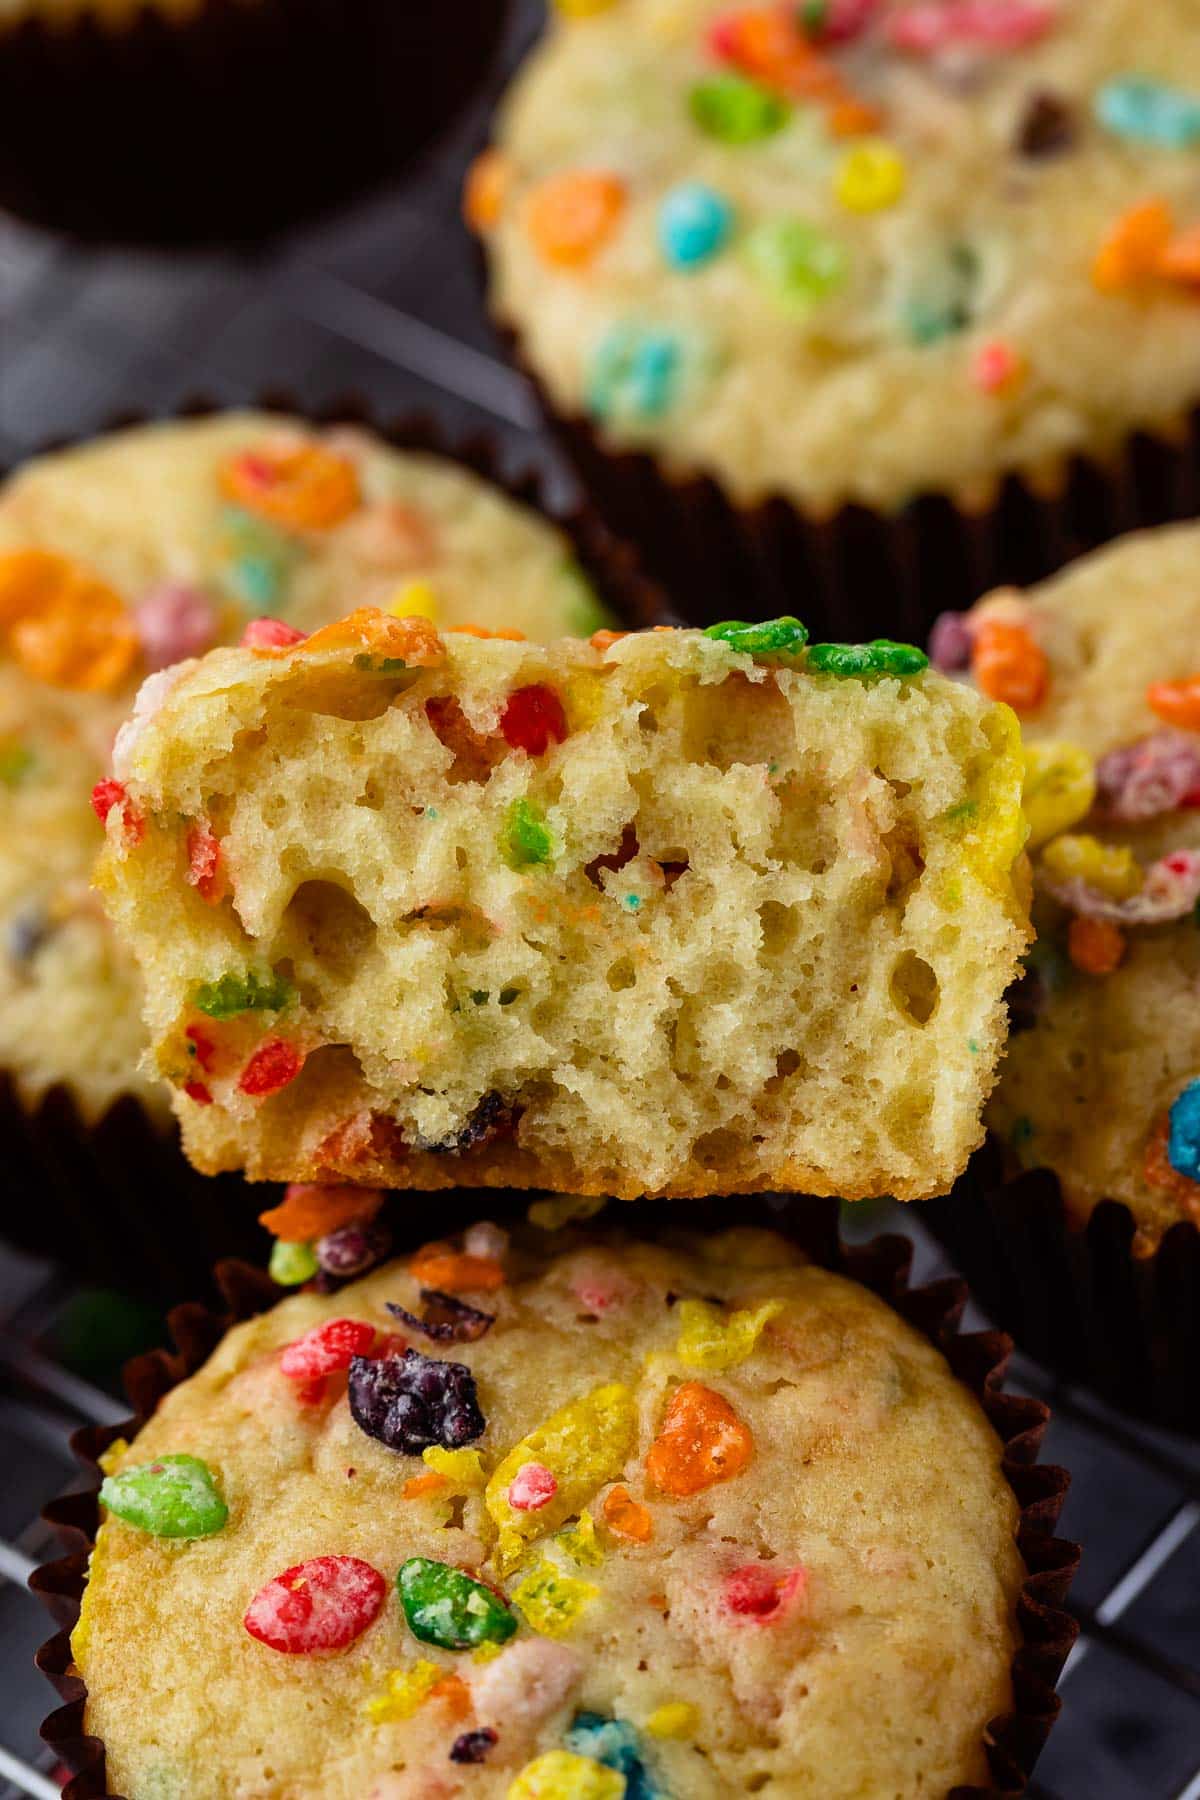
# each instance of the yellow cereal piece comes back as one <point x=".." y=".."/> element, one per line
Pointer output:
<point x="581" y="1543"/>
<point x="1113" y="868"/>
<point x="1060" y="787"/>
<point x="561" y="1775"/>
<point x="584" y="1444"/>
<point x="405" y="1690"/>
<point x="550" y="1600"/>
<point x="558" y="1210"/>
<point x="487" y="1652"/>
<point x="870" y="177"/>
<point x="711" y="1339"/>
<point x="109" y="1459"/>
<point x="463" y="1469"/>
<point x="677" y="1719"/>
<point x="581" y="9"/>
<point x="416" y="599"/>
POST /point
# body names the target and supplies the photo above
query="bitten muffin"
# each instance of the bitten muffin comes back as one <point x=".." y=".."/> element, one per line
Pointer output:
<point x="627" y="1520"/>
<point x="856" y="252"/>
<point x="123" y="555"/>
<point x="668" y="913"/>
<point x="1101" y="1083"/>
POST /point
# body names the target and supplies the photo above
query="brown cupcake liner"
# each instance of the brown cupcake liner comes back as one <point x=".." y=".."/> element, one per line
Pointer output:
<point x="116" y="1200"/>
<point x="1073" y="1295"/>
<point x="234" y="122"/>
<point x="1012" y="1741"/>
<point x="859" y="574"/>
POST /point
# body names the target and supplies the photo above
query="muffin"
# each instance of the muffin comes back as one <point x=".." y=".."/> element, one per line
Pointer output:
<point x="121" y="555"/>
<point x="672" y="913"/>
<point x="177" y="120"/>
<point x="868" y="299"/>
<point x="548" y="1540"/>
<point x="1094" y="1119"/>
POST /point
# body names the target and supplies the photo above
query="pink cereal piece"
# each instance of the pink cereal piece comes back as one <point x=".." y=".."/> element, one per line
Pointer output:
<point x="600" y="1284"/>
<point x="1159" y="774"/>
<point x="322" y="1604"/>
<point x="996" y="366"/>
<point x="933" y="25"/>
<point x="270" y="634"/>
<point x="326" y="1348"/>
<point x="486" y="1239"/>
<point x="760" y="1595"/>
<point x="175" y="621"/>
<point x="533" y="1486"/>
<point x="1170" y="891"/>
<point x="524" y="1686"/>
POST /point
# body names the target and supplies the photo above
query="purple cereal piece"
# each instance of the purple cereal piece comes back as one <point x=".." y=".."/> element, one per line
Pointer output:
<point x="353" y="1249"/>
<point x="411" y="1402"/>
<point x="473" y="1746"/>
<point x="950" y="642"/>
<point x="447" y="1320"/>
<point x="1144" y="780"/>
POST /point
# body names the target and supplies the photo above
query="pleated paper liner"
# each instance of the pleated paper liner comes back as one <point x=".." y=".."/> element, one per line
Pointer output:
<point x="1013" y="1741"/>
<point x="1073" y="1295"/>
<point x="859" y="574"/>
<point x="232" y="119"/>
<point x="117" y="1201"/>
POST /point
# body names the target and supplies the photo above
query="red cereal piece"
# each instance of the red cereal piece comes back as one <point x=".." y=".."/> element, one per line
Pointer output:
<point x="204" y="1046"/>
<point x="532" y="1487"/>
<point x="270" y="634"/>
<point x="106" y="795"/>
<point x="326" y="1348"/>
<point x="322" y="1604"/>
<point x="533" y="719"/>
<point x="757" y="1593"/>
<point x="272" y="1066"/>
<point x="205" y="872"/>
<point x="199" y="1092"/>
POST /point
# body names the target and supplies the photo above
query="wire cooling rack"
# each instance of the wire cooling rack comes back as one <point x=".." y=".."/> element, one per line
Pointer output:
<point x="384" y="301"/>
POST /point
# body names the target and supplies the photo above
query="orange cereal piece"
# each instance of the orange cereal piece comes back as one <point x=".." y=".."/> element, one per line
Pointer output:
<point x="418" y="1487"/>
<point x="1180" y="261"/>
<point x="486" y="190"/>
<point x="1008" y="664"/>
<point x="1133" y="250"/>
<point x="309" y="1210"/>
<point x="604" y="640"/>
<point x="453" y="1272"/>
<point x="1176" y="702"/>
<point x="63" y="624"/>
<point x="1159" y="1172"/>
<point x="299" y="487"/>
<point x="853" y="117"/>
<point x="508" y="632"/>
<point x="701" y="1441"/>
<point x="1096" y="946"/>
<point x="414" y="641"/>
<point x="626" y="1518"/>
<point x="570" y="216"/>
<point x="453" y="1693"/>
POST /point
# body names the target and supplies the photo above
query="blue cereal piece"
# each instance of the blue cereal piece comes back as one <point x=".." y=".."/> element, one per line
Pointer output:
<point x="616" y="1744"/>
<point x="1149" y="112"/>
<point x="1183" y="1141"/>
<point x="694" y="224"/>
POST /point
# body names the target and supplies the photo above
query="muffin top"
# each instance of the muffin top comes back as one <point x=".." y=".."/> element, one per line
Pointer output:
<point x="626" y="1520"/>
<point x="860" y="249"/>
<point x="1101" y="1082"/>
<point x="122" y="556"/>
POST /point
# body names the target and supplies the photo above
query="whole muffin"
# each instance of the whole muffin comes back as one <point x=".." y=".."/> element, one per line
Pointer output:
<point x="768" y="263"/>
<point x="122" y="555"/>
<point x="1101" y="1083"/>
<point x="627" y="1519"/>
<point x="177" y="120"/>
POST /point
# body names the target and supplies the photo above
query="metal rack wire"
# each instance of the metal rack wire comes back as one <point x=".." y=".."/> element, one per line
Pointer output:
<point x="384" y="301"/>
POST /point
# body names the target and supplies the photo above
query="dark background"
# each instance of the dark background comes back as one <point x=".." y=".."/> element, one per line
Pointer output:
<point x="384" y="300"/>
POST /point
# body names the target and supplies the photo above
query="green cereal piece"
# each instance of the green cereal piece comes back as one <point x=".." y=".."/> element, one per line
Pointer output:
<point x="380" y="665"/>
<point x="880" y="657"/>
<point x="292" y="1264"/>
<point x="174" y="1497"/>
<point x="231" y="995"/>
<point x="16" y="761"/>
<point x="446" y="1607"/>
<point x="735" y="110"/>
<point x="773" y="637"/>
<point x="797" y="260"/>
<point x="526" y="839"/>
